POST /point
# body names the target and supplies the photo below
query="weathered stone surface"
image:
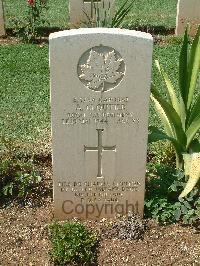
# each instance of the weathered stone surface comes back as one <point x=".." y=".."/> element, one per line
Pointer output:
<point x="80" y="10"/>
<point x="2" y="23"/>
<point x="100" y="87"/>
<point x="188" y="11"/>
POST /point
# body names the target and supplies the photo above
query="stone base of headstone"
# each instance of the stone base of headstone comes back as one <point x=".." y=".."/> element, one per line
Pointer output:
<point x="188" y="12"/>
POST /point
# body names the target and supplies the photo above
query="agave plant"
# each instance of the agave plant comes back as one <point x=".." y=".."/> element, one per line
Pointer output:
<point x="101" y="15"/>
<point x="180" y="114"/>
<point x="192" y="169"/>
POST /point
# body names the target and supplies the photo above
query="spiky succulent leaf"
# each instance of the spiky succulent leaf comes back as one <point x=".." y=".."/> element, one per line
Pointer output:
<point x="193" y="68"/>
<point x="194" y="112"/>
<point x="192" y="130"/>
<point x="163" y="117"/>
<point x="174" y="119"/>
<point x="192" y="169"/>
<point x="170" y="88"/>
<point x="156" y="135"/>
<point x="183" y="68"/>
<point x="121" y="13"/>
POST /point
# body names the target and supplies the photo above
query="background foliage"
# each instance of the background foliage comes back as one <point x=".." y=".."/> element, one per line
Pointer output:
<point x="163" y="186"/>
<point x="156" y="13"/>
<point x="24" y="103"/>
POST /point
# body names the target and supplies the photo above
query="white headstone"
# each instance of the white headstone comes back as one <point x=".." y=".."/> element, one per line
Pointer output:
<point x="80" y="10"/>
<point x="2" y="26"/>
<point x="188" y="11"/>
<point x="100" y="88"/>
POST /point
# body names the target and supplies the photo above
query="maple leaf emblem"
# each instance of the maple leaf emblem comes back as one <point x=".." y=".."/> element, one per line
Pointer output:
<point x="100" y="69"/>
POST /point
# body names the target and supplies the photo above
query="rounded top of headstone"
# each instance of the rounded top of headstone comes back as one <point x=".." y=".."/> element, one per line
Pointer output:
<point x="114" y="31"/>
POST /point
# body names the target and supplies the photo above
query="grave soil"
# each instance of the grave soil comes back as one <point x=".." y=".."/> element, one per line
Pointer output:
<point x="24" y="237"/>
<point x="8" y="40"/>
<point x="156" y="31"/>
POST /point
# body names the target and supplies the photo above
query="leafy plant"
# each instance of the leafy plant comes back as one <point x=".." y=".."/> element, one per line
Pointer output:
<point x="161" y="153"/>
<point x="164" y="184"/>
<point x="28" y="28"/>
<point x="72" y="244"/>
<point x="180" y="115"/>
<point x="160" y="210"/>
<point x="18" y="177"/>
<point x="192" y="170"/>
<point x="101" y="16"/>
<point x="187" y="209"/>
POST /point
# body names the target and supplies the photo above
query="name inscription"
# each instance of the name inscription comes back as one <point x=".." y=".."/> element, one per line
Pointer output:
<point x="104" y="110"/>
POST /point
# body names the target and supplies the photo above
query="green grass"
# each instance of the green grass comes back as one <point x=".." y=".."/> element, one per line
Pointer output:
<point x="57" y="12"/>
<point x="168" y="56"/>
<point x="153" y="13"/>
<point x="24" y="91"/>
<point x="24" y="88"/>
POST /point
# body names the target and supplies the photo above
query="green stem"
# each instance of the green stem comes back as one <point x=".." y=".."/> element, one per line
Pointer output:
<point x="179" y="161"/>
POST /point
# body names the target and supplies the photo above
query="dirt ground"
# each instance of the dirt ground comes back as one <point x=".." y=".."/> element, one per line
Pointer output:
<point x="24" y="236"/>
<point x="157" y="33"/>
<point x="24" y="241"/>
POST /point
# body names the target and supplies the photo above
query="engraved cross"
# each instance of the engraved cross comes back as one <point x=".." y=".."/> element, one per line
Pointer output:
<point x="100" y="148"/>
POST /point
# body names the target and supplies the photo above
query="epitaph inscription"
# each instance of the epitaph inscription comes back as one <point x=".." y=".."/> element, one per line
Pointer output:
<point x="100" y="88"/>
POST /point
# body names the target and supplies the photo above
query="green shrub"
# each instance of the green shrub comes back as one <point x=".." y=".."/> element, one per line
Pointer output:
<point x="18" y="177"/>
<point x="162" y="153"/>
<point x="72" y="244"/>
<point x="163" y="186"/>
<point x="28" y="27"/>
